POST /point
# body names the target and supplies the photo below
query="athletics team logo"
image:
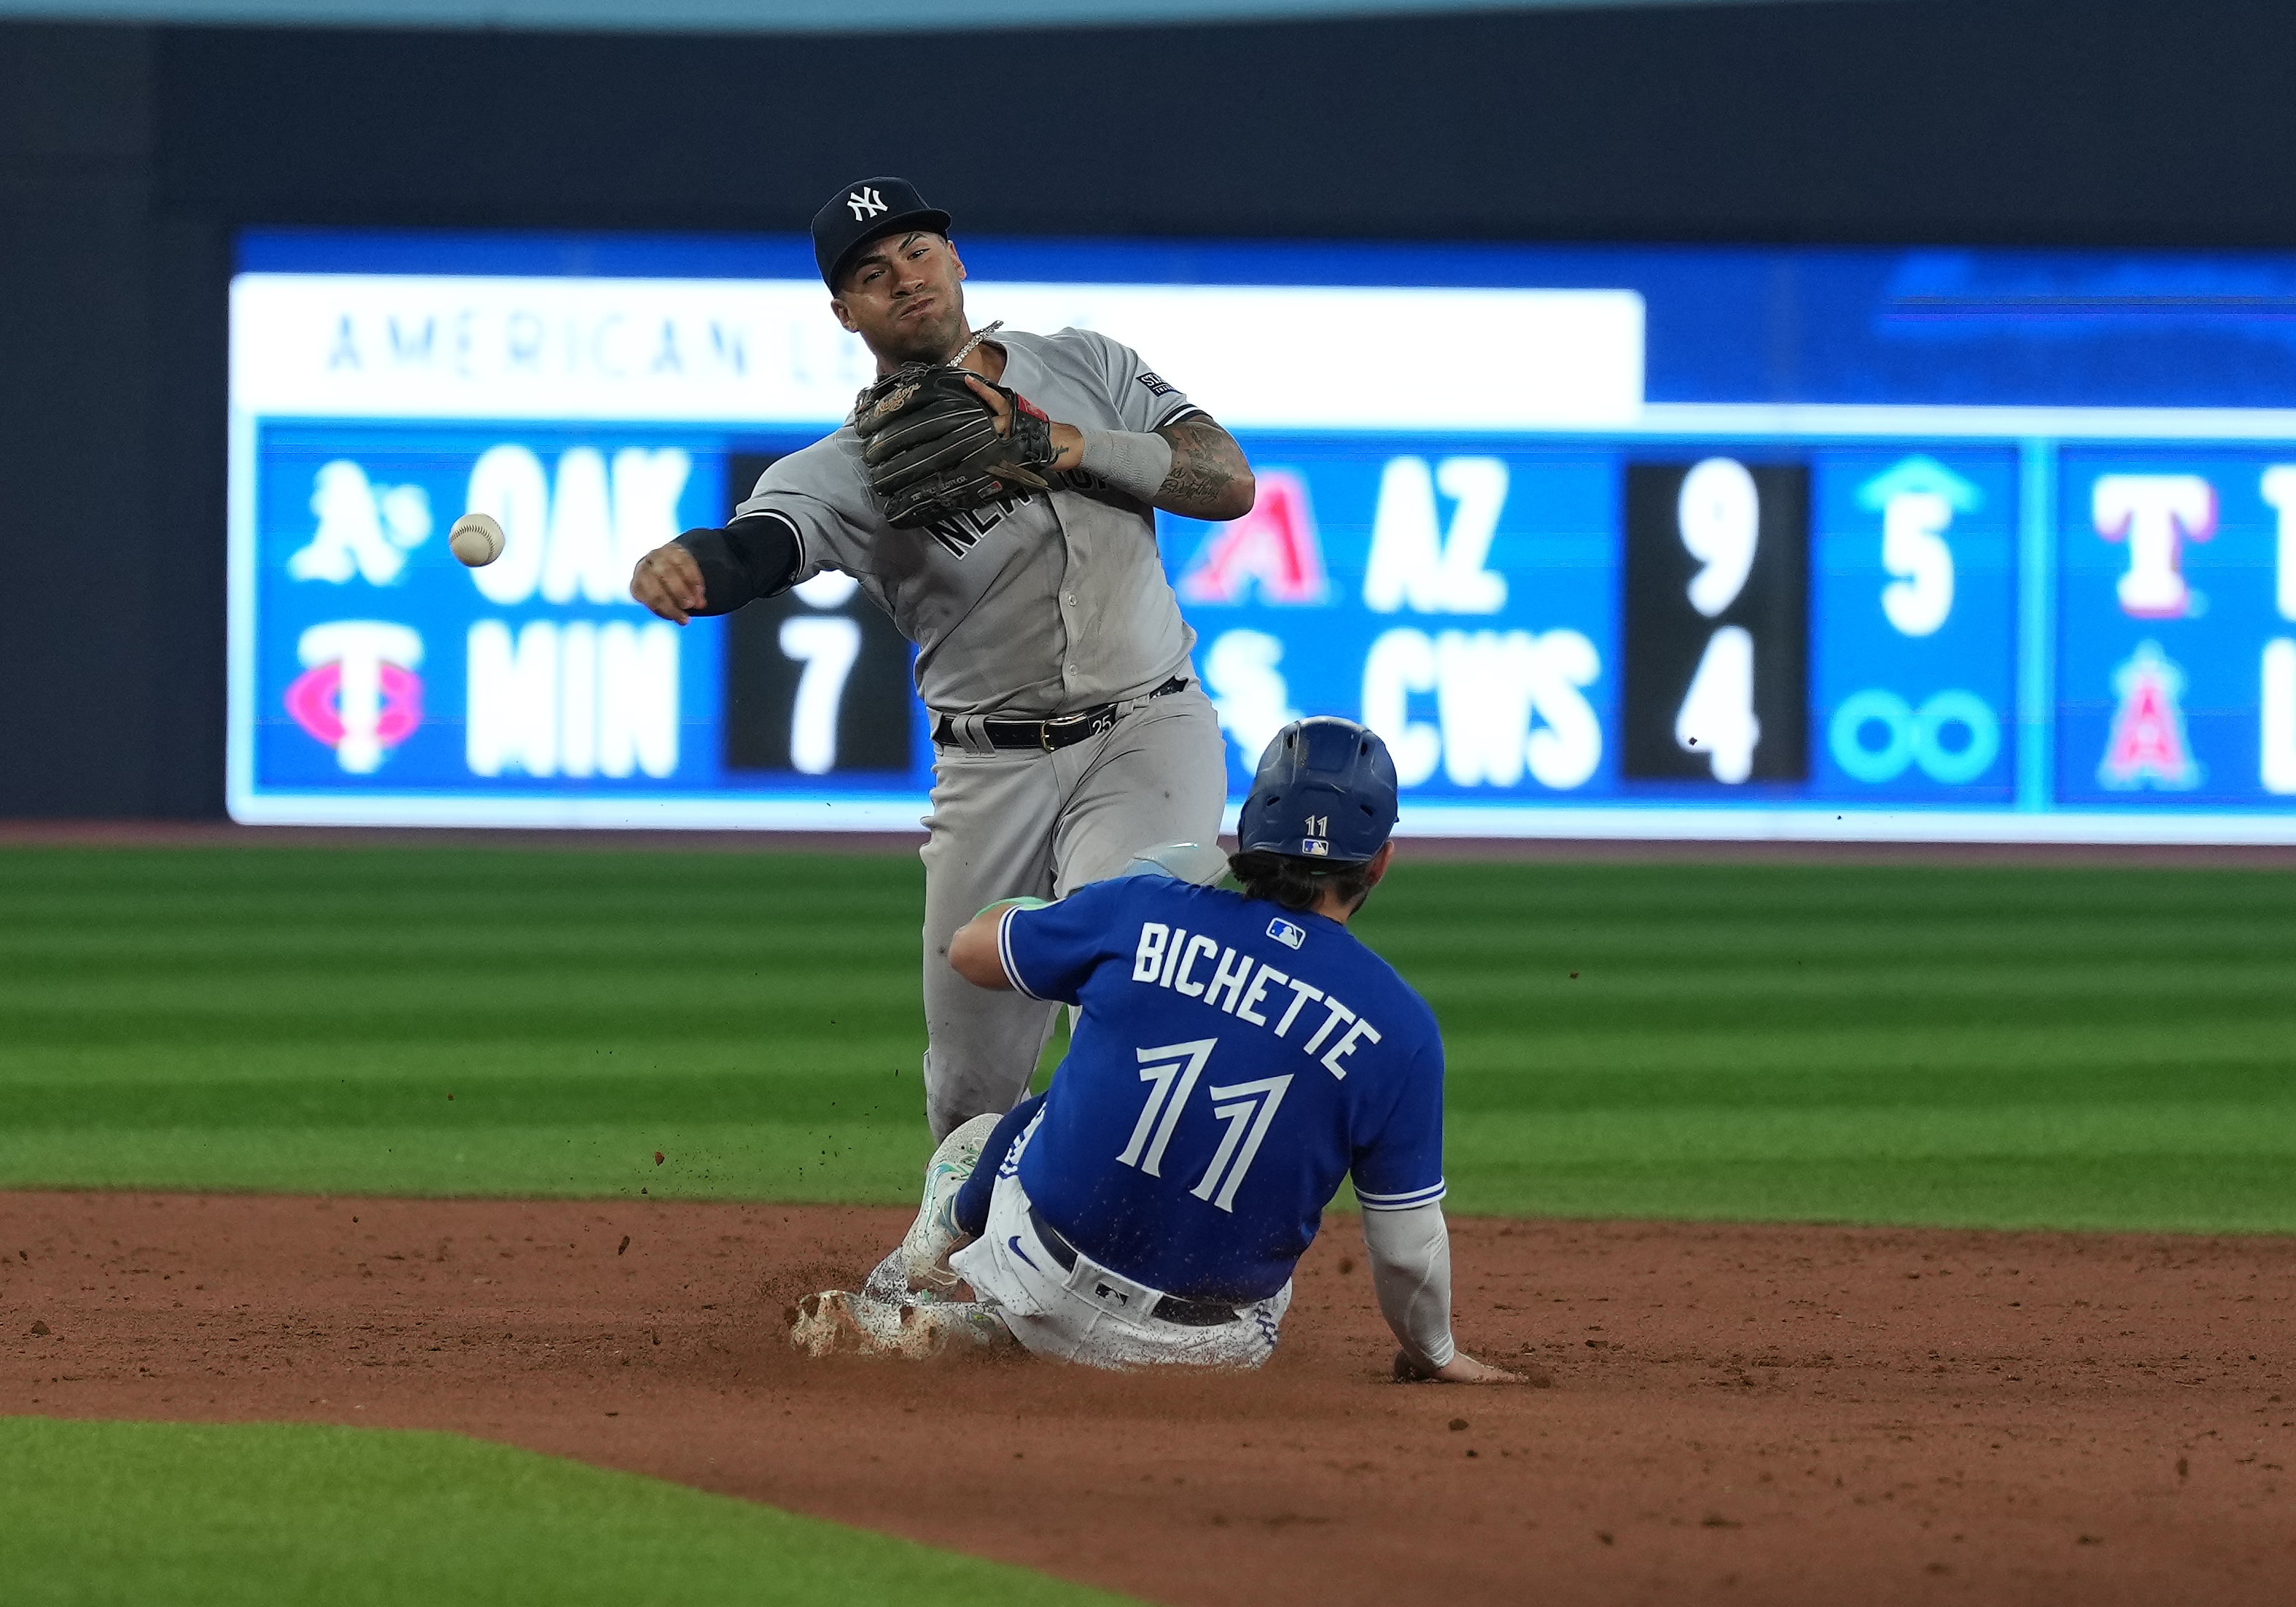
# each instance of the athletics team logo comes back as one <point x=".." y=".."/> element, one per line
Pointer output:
<point x="364" y="528"/>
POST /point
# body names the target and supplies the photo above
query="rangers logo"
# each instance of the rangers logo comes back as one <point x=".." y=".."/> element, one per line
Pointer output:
<point x="865" y="203"/>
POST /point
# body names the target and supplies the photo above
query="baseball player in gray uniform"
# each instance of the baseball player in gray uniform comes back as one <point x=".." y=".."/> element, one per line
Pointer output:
<point x="1070" y="733"/>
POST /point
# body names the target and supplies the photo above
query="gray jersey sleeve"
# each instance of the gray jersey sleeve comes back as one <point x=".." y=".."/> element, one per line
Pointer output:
<point x="1144" y="399"/>
<point x="821" y="491"/>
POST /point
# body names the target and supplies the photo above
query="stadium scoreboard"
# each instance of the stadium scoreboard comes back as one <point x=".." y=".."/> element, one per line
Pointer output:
<point x="1928" y="546"/>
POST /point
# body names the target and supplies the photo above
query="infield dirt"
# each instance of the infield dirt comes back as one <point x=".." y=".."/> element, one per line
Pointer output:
<point x="1762" y="1414"/>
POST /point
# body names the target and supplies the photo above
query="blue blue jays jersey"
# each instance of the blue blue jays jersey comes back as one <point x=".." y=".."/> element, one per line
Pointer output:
<point x="1233" y="1062"/>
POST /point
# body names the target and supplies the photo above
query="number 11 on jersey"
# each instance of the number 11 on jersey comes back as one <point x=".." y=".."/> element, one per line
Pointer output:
<point x="1247" y="1109"/>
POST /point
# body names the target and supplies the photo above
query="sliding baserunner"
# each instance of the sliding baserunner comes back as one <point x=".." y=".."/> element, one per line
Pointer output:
<point x="1236" y="1056"/>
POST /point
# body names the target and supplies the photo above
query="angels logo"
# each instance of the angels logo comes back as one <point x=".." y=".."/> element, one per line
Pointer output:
<point x="360" y="694"/>
<point x="2148" y="746"/>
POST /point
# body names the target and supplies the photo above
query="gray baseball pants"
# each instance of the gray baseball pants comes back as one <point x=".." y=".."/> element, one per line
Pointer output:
<point x="1009" y="822"/>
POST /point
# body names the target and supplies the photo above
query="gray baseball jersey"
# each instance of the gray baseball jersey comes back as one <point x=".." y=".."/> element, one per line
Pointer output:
<point x="1036" y="605"/>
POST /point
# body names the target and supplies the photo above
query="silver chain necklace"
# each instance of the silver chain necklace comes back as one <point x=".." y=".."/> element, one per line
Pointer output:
<point x="965" y="351"/>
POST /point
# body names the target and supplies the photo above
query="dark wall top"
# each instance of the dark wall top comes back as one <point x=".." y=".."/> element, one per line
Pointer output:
<point x="1929" y="119"/>
<point x="129" y="155"/>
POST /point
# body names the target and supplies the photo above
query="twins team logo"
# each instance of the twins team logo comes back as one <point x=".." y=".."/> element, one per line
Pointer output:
<point x="865" y="203"/>
<point x="2147" y="746"/>
<point x="1274" y="547"/>
<point x="363" y="529"/>
<point x="358" y="692"/>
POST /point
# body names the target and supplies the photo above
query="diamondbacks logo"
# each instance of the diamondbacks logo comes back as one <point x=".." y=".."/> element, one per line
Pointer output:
<point x="2147" y="746"/>
<point x="1273" y="549"/>
<point x="865" y="203"/>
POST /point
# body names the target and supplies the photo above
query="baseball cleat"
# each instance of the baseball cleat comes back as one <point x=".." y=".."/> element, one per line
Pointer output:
<point x="834" y="1323"/>
<point x="889" y="1281"/>
<point x="934" y="1234"/>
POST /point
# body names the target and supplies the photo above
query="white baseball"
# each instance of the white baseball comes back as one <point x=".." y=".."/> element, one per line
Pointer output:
<point x="476" y="540"/>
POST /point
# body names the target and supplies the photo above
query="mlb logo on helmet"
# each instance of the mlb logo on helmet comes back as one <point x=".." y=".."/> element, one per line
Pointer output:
<point x="1318" y="848"/>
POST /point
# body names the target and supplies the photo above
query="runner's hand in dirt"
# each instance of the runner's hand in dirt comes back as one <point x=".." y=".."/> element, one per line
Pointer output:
<point x="1461" y="1369"/>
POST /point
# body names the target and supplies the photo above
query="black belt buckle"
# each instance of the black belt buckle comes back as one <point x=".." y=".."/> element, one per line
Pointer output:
<point x="1194" y="1314"/>
<point x="1099" y="720"/>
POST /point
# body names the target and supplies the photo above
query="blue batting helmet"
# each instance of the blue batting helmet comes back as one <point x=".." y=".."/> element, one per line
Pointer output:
<point x="1325" y="790"/>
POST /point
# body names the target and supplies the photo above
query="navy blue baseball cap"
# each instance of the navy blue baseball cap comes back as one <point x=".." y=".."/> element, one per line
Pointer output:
<point x="1325" y="790"/>
<point x="867" y="211"/>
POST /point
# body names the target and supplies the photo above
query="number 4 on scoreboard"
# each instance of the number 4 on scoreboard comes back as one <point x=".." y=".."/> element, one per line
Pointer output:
<point x="1716" y="718"/>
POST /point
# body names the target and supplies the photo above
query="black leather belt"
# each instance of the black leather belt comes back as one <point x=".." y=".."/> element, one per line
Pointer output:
<point x="1060" y="731"/>
<point x="1168" y="1308"/>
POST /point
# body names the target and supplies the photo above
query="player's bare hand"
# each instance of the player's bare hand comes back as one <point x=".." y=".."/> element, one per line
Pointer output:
<point x="669" y="581"/>
<point x="1461" y="1369"/>
<point x="1068" y="440"/>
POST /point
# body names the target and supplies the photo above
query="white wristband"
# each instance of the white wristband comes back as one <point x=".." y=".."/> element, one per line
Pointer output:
<point x="1133" y="463"/>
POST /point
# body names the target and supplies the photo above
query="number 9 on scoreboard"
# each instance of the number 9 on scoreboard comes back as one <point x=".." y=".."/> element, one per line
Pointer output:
<point x="1715" y="622"/>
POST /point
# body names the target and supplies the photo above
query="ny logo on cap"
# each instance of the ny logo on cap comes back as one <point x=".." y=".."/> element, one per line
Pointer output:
<point x="865" y="203"/>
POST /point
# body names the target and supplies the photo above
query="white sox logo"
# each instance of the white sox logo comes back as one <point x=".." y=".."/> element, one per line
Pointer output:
<point x="865" y="203"/>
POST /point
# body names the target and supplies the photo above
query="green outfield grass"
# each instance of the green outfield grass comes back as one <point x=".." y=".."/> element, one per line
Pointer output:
<point x="2064" y="1047"/>
<point x="253" y="1514"/>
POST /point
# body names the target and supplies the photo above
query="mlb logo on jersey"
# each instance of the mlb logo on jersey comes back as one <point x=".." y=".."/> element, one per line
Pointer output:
<point x="1284" y="932"/>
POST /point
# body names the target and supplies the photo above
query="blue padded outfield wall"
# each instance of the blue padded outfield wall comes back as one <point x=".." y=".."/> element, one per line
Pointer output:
<point x="1698" y="541"/>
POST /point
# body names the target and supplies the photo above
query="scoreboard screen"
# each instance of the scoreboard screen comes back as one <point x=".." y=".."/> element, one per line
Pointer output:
<point x="1628" y="541"/>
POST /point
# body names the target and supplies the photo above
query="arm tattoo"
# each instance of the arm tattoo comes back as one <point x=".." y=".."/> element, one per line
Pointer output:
<point x="1209" y="478"/>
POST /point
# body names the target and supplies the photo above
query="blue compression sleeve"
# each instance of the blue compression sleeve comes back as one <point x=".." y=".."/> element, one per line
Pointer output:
<point x="972" y="1208"/>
